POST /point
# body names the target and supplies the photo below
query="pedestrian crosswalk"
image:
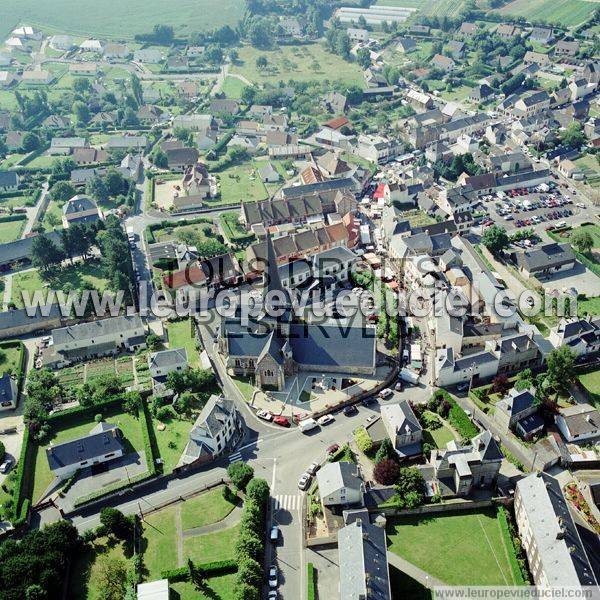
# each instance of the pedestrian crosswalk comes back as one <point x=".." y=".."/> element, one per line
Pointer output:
<point x="287" y="502"/>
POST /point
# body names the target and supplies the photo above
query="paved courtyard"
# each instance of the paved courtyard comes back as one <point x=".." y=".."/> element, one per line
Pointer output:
<point x="580" y="278"/>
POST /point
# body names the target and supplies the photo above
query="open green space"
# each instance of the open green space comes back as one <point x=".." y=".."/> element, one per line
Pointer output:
<point x="219" y="588"/>
<point x="591" y="383"/>
<point x="160" y="542"/>
<point x="591" y="168"/>
<point x="245" y="386"/>
<point x="75" y="277"/>
<point x="171" y="439"/>
<point x="561" y="12"/>
<point x="233" y="87"/>
<point x="17" y="200"/>
<point x="211" y="546"/>
<point x="10" y="359"/>
<point x="181" y="335"/>
<point x="240" y="183"/>
<point x="209" y="507"/>
<point x="438" y="437"/>
<point x="309" y="62"/>
<point x="87" y="17"/>
<point x="12" y="230"/>
<point x="71" y="428"/>
<point x="466" y="548"/>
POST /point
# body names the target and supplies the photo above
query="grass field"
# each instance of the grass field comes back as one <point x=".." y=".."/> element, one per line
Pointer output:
<point x="233" y="87"/>
<point x="77" y="277"/>
<point x="205" y="509"/>
<point x="172" y="440"/>
<point x="107" y="18"/>
<point x="10" y="360"/>
<point x="440" y="436"/>
<point x="181" y="336"/>
<point x="12" y="230"/>
<point x="591" y="382"/>
<point x="14" y="201"/>
<point x="562" y="12"/>
<point x="591" y="168"/>
<point x="219" y="588"/>
<point x="70" y="429"/>
<point x="310" y="62"/>
<point x="211" y="546"/>
<point x="241" y="183"/>
<point x="457" y="548"/>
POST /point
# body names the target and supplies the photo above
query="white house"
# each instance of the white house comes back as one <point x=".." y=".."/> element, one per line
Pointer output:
<point x="167" y="361"/>
<point x="578" y="423"/>
<point x="101" y="445"/>
<point x="403" y="428"/>
<point x="582" y="336"/>
<point x="340" y="484"/>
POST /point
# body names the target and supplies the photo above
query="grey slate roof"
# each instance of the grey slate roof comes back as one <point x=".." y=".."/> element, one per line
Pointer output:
<point x="6" y="391"/>
<point x="114" y="325"/>
<point x="168" y="358"/>
<point x="8" y="179"/>
<point x="546" y="256"/>
<point x="21" y="249"/>
<point x="334" y="476"/>
<point x="11" y="319"/>
<point x="102" y="439"/>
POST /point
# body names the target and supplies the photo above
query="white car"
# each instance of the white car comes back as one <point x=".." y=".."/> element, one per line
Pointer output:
<point x="272" y="595"/>
<point x="325" y="420"/>
<point x="304" y="481"/>
<point x="265" y="415"/>
<point x="580" y="205"/>
<point x="313" y="468"/>
<point x="273" y="580"/>
<point x="385" y="393"/>
<point x="274" y="535"/>
<point x="6" y="465"/>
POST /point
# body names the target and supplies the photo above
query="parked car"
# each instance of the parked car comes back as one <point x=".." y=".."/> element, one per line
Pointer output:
<point x="333" y="449"/>
<point x="325" y="420"/>
<point x="274" y="535"/>
<point x="313" y="468"/>
<point x="350" y="410"/>
<point x="265" y="415"/>
<point x="368" y="400"/>
<point x="385" y="394"/>
<point x="462" y="387"/>
<point x="6" y="466"/>
<point x="273" y="579"/>
<point x="304" y="481"/>
<point x="283" y="421"/>
<point x="272" y="595"/>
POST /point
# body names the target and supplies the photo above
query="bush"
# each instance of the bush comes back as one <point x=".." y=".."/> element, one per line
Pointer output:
<point x="311" y="592"/>
<point x="363" y="440"/>
<point x="240" y="474"/>
<point x="98" y="418"/>
<point x="386" y="450"/>
<point x="431" y="421"/>
<point x="228" y="495"/>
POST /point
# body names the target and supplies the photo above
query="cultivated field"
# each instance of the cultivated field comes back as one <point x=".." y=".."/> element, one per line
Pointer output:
<point x="114" y="19"/>
<point x="562" y="12"/>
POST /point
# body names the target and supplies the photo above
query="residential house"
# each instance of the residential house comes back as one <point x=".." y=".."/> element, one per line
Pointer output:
<point x="481" y="93"/>
<point x="546" y="260"/>
<point x="97" y="338"/>
<point x="9" y="181"/>
<point x="507" y="30"/>
<point x="9" y="392"/>
<point x="340" y="484"/>
<point x="92" y="45"/>
<point x="269" y="174"/>
<point x="582" y="336"/>
<point x="419" y="100"/>
<point x="456" y="49"/>
<point x="37" y="77"/>
<point x="20" y="322"/>
<point x="332" y="166"/>
<point x="113" y="50"/>
<point x="66" y="145"/>
<point x="444" y="63"/>
<point x="357" y="35"/>
<point x="549" y="536"/>
<point x="224" y="106"/>
<point x="154" y="590"/>
<point x="7" y="79"/>
<point x="162" y="363"/>
<point x="89" y="156"/>
<point x="458" y="470"/>
<point x="406" y="45"/>
<point x="80" y="209"/>
<point x="363" y="563"/>
<point x="468" y="29"/>
<point x="591" y="72"/>
<point x="150" y="56"/>
<point x="103" y="444"/>
<point x="377" y="148"/>
<point x="335" y="103"/>
<point x="62" y="43"/>
<point x="127" y="142"/>
<point x="181" y="159"/>
<point x="518" y="412"/>
<point x="542" y="35"/>
<point x="571" y="170"/>
<point x="537" y="58"/>
<point x="56" y="122"/>
<point x="566" y="48"/>
<point x="531" y="104"/>
<point x="195" y="122"/>
<point x="212" y="433"/>
<point x="578" y="423"/>
<point x="403" y="428"/>
<point x="83" y="68"/>
<point x="581" y="88"/>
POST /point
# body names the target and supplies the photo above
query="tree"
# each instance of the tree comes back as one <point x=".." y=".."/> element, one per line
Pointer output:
<point x="45" y="254"/>
<point x="262" y="62"/>
<point x="81" y="112"/>
<point x="116" y="523"/>
<point x="495" y="239"/>
<point x="386" y="450"/>
<point x="573" y="136"/>
<point x="386" y="472"/>
<point x="31" y="142"/>
<point x="363" y="57"/>
<point x="410" y="486"/>
<point x="213" y="54"/>
<point x="249" y="571"/>
<point x="96" y="188"/>
<point x="62" y="191"/>
<point x="258" y="490"/>
<point x="500" y="385"/>
<point x="81" y="85"/>
<point x="240" y="474"/>
<point x="561" y="368"/>
<point x="582" y="240"/>
<point x="35" y="592"/>
<point x="163" y="34"/>
<point x="111" y="577"/>
<point x="154" y="342"/>
<point x="159" y="158"/>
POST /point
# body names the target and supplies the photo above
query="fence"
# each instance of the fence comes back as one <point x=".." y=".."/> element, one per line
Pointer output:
<point x="427" y="509"/>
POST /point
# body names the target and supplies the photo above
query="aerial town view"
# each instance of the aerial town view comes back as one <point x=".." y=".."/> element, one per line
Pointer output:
<point x="300" y="299"/>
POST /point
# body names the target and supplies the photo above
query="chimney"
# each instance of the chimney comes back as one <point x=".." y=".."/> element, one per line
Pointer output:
<point x="588" y="418"/>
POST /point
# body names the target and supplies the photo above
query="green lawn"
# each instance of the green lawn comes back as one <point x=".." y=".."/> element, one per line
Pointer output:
<point x="561" y="12"/>
<point x="78" y="277"/>
<point x="591" y="168"/>
<point x="14" y="201"/>
<point x="212" y="546"/>
<point x="12" y="230"/>
<point x="73" y="428"/>
<point x="91" y="18"/>
<point x="160" y="545"/>
<point x="233" y="87"/>
<point x="240" y="183"/>
<point x="589" y="306"/>
<point x="245" y="386"/>
<point x="439" y="437"/>
<point x="591" y="383"/>
<point x="52" y="216"/>
<point x="10" y="360"/>
<point x="310" y="62"/>
<point x="180" y="335"/>
<point x="172" y="440"/>
<point x="205" y="509"/>
<point x="457" y="548"/>
<point x="219" y="588"/>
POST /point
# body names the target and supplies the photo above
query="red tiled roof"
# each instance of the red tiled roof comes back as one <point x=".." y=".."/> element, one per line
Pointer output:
<point x="189" y="276"/>
<point x="336" y="123"/>
<point x="379" y="192"/>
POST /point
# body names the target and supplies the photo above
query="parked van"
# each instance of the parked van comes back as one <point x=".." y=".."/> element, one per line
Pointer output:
<point x="307" y="425"/>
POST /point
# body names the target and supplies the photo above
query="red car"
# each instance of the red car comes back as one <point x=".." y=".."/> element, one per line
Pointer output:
<point x="333" y="449"/>
<point x="283" y="421"/>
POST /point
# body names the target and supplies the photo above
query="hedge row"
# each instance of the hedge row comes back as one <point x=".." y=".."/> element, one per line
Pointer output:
<point x="517" y="566"/>
<point x="24" y="473"/>
<point x="458" y="417"/>
<point x="109" y="489"/>
<point x="150" y="448"/>
<point x="33" y="155"/>
<point x="311" y="592"/>
<point x="209" y="569"/>
<point x="13" y="217"/>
